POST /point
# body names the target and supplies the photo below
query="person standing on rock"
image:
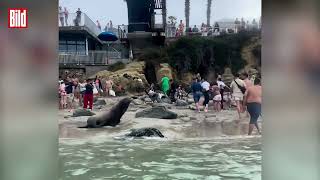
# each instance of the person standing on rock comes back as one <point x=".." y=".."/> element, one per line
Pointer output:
<point x="88" y="95"/>
<point x="196" y="91"/>
<point x="109" y="85"/>
<point x="77" y="94"/>
<point x="63" y="95"/>
<point x="222" y="86"/>
<point x="238" y="88"/>
<point x="205" y="89"/>
<point x="173" y="89"/>
<point x="82" y="85"/>
<point x="216" y="97"/>
<point x="98" y="85"/>
<point x="165" y="85"/>
<point x="248" y="83"/>
<point x="70" y="93"/>
<point x="253" y="100"/>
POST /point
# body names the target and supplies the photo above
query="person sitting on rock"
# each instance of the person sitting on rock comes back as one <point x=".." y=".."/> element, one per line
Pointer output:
<point x="180" y="92"/>
<point x="152" y="93"/>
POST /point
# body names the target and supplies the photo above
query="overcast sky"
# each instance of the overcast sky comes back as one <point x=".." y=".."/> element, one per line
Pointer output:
<point x="116" y="10"/>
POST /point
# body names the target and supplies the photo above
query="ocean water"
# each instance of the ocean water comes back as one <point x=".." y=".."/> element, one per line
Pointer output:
<point x="148" y="159"/>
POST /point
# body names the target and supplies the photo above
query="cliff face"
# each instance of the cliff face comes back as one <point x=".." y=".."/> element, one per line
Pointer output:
<point x="251" y="54"/>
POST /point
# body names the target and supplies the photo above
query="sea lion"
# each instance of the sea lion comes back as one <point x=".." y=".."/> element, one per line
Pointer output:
<point x="111" y="118"/>
<point x="145" y="132"/>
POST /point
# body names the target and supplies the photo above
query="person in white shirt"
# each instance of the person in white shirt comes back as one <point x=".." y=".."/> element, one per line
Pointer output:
<point x="222" y="86"/>
<point x="206" y="87"/>
<point x="61" y="16"/>
<point x="236" y="85"/>
<point x="66" y="15"/>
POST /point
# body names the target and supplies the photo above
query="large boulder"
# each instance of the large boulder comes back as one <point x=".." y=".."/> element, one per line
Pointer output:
<point x="164" y="70"/>
<point x="129" y="80"/>
<point x="82" y="112"/>
<point x="158" y="112"/>
<point x="190" y="101"/>
<point x="148" y="100"/>
<point x="100" y="102"/>
<point x="145" y="132"/>
<point x="227" y="76"/>
<point x="137" y="102"/>
<point x="165" y="99"/>
<point x="180" y="102"/>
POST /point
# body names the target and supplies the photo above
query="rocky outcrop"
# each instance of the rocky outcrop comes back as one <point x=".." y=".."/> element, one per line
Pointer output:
<point x="165" y="99"/>
<point x="247" y="53"/>
<point x="137" y="102"/>
<point x="100" y="102"/>
<point x="129" y="80"/>
<point x="180" y="102"/>
<point x="164" y="70"/>
<point x="227" y="76"/>
<point x="82" y="112"/>
<point x="145" y="132"/>
<point x="158" y="112"/>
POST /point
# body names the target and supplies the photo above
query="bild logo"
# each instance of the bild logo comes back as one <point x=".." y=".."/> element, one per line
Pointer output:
<point x="18" y="18"/>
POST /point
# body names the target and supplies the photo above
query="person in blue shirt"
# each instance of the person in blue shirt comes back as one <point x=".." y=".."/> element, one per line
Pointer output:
<point x="196" y="90"/>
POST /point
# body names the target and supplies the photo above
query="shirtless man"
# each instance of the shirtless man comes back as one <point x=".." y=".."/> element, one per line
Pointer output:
<point x="246" y="80"/>
<point x="248" y="83"/>
<point x="109" y="85"/>
<point x="253" y="99"/>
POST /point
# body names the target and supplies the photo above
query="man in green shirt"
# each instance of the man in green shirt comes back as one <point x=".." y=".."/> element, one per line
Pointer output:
<point x="165" y="85"/>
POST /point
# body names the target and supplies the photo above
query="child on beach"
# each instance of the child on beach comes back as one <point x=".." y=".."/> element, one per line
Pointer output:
<point x="216" y="97"/>
<point x="63" y="95"/>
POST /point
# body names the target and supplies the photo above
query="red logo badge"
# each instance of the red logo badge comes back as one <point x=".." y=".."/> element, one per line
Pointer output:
<point x="18" y="18"/>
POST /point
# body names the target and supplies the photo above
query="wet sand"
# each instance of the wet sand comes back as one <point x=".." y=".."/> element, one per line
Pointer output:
<point x="189" y="124"/>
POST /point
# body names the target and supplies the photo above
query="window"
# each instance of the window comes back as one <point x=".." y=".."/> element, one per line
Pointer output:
<point x="81" y="48"/>
<point x="62" y="47"/>
<point x="71" y="46"/>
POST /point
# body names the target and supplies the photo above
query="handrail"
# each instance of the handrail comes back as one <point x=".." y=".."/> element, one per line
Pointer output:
<point x="93" y="58"/>
<point x="78" y="20"/>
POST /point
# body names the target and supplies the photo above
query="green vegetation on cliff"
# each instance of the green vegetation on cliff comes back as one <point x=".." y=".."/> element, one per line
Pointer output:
<point x="204" y="54"/>
<point x="198" y="54"/>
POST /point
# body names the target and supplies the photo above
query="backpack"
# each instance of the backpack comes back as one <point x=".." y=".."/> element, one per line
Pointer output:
<point x="242" y="89"/>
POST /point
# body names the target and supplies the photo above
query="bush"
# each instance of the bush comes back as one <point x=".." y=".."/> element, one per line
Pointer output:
<point x="201" y="55"/>
<point x="116" y="66"/>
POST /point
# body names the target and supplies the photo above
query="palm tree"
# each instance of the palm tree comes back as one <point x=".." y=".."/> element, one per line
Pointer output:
<point x="209" y="12"/>
<point x="187" y="12"/>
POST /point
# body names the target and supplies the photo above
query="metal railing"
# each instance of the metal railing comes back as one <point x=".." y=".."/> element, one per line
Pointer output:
<point x="93" y="58"/>
<point x="81" y="20"/>
<point x="122" y="31"/>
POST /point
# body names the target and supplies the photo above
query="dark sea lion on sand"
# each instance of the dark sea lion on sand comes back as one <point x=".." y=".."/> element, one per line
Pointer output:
<point x="111" y="118"/>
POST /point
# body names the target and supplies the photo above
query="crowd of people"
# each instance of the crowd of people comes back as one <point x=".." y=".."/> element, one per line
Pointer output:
<point x="64" y="16"/>
<point x="242" y="93"/>
<point x="204" y="29"/>
<point x="72" y="90"/>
